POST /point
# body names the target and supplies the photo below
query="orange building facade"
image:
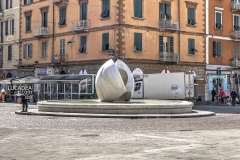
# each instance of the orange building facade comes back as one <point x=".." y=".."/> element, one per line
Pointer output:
<point x="222" y="45"/>
<point x="65" y="37"/>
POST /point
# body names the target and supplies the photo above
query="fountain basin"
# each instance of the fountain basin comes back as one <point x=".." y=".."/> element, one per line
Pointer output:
<point x="132" y="107"/>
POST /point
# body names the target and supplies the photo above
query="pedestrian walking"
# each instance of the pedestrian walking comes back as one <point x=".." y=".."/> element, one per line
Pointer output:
<point x="3" y="94"/>
<point x="214" y="93"/>
<point x="234" y="96"/>
<point x="24" y="103"/>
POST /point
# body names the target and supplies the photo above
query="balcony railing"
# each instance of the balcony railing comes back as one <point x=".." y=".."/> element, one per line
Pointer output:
<point x="43" y="31"/>
<point x="80" y="25"/>
<point x="235" y="34"/>
<point x="235" y="62"/>
<point x="235" y="5"/>
<point x="168" y="24"/>
<point x="59" y="1"/>
<point x="60" y="58"/>
<point x="169" y="57"/>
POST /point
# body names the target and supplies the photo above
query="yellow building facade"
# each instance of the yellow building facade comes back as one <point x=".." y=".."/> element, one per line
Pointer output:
<point x="62" y="36"/>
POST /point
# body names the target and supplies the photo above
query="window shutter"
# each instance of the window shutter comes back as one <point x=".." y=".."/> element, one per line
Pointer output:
<point x="62" y="16"/>
<point x="168" y="13"/>
<point x="6" y="28"/>
<point x="140" y="41"/>
<point x="25" y="1"/>
<point x="161" y="11"/>
<point x="30" y="51"/>
<point x="219" y="54"/>
<point x="160" y="44"/>
<point x="138" y="8"/>
<point x="12" y="26"/>
<point x="171" y="45"/>
<point x="6" y="4"/>
<point x="10" y="52"/>
<point x="83" y="15"/>
<point x="236" y="50"/>
<point x="189" y="46"/>
<point x="25" y="51"/>
<point x="10" y="3"/>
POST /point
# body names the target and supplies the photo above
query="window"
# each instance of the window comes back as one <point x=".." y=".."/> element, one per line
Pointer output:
<point x="9" y="27"/>
<point x="62" y="20"/>
<point x="191" y="47"/>
<point x="236" y="23"/>
<point x="83" y="11"/>
<point x="105" y="41"/>
<point x="216" y="49"/>
<point x="44" y="19"/>
<point x="44" y="49"/>
<point x="10" y="52"/>
<point x="236" y="50"/>
<point x="164" y="11"/>
<point x="105" y="9"/>
<point x="166" y="44"/>
<point x="62" y="46"/>
<point x="138" y="8"/>
<point x="28" y="2"/>
<point x="28" y="23"/>
<point x="8" y="4"/>
<point x="137" y="41"/>
<point x="27" y="51"/>
<point x="191" y="16"/>
<point x="83" y="41"/>
<point x="218" y="20"/>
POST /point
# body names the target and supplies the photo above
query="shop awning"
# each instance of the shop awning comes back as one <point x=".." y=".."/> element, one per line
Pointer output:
<point x="64" y="78"/>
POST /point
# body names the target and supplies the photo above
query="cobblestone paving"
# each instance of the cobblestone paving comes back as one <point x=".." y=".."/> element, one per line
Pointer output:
<point x="45" y="137"/>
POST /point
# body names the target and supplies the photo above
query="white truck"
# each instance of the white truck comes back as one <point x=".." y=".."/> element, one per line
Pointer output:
<point x="164" y="86"/>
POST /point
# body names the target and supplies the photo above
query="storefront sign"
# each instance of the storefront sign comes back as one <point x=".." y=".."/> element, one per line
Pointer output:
<point x="41" y="71"/>
<point x="26" y="90"/>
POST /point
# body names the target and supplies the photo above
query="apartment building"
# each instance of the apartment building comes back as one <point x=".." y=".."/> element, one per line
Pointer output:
<point x="222" y="45"/>
<point x="66" y="37"/>
<point x="9" y="38"/>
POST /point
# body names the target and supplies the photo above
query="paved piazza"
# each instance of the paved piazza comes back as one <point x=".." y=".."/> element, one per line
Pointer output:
<point x="26" y="137"/>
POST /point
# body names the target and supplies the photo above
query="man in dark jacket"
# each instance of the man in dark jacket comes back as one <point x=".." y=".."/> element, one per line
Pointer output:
<point x="24" y="103"/>
<point x="213" y="94"/>
<point x="233" y="95"/>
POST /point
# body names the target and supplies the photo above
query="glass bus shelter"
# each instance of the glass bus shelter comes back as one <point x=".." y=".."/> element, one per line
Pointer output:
<point x="57" y="87"/>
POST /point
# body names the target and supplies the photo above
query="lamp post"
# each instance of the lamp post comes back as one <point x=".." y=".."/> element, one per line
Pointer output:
<point x="218" y="74"/>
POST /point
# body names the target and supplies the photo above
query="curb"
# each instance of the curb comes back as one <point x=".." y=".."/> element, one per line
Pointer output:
<point x="194" y="113"/>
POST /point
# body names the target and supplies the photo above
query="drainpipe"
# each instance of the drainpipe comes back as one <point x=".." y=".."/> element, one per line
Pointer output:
<point x="53" y="36"/>
<point x="179" y="29"/>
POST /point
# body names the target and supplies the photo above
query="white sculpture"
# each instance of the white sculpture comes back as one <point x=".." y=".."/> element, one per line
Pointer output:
<point x="114" y="82"/>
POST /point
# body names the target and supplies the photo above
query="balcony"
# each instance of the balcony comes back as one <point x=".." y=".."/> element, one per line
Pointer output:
<point x="168" y="24"/>
<point x="60" y="1"/>
<point x="235" y="6"/>
<point x="41" y="32"/>
<point x="59" y="58"/>
<point x="235" y="34"/>
<point x="235" y="63"/>
<point x="169" y="57"/>
<point x="81" y="25"/>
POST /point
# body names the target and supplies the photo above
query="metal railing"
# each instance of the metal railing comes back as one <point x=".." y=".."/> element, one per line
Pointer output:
<point x="43" y="31"/>
<point x="58" y="1"/>
<point x="169" y="24"/>
<point x="80" y="25"/>
<point x="235" y="5"/>
<point x="60" y="58"/>
<point x="169" y="57"/>
<point x="235" y="34"/>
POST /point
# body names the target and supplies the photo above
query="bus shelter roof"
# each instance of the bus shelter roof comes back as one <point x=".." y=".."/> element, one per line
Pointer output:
<point x="64" y="78"/>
